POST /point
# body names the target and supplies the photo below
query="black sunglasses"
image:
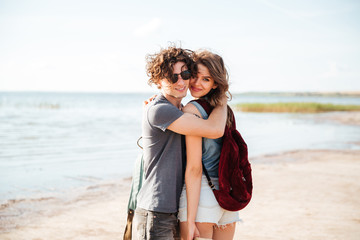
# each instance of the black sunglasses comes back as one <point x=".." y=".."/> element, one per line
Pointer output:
<point x="185" y="75"/>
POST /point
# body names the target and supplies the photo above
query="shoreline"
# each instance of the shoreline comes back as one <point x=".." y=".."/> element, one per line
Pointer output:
<point x="294" y="191"/>
<point x="25" y="212"/>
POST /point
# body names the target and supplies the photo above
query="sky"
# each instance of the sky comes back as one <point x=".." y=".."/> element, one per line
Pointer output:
<point x="100" y="46"/>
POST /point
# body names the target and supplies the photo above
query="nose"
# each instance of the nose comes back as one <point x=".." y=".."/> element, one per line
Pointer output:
<point x="180" y="80"/>
<point x="194" y="81"/>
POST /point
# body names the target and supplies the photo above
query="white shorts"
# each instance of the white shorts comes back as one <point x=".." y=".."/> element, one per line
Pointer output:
<point x="209" y="210"/>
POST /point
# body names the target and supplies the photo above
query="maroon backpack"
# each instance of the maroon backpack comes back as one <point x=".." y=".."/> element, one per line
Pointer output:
<point x="235" y="181"/>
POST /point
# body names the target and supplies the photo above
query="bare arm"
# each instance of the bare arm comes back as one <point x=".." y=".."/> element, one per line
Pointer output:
<point x="193" y="175"/>
<point x="189" y="124"/>
<point x="193" y="178"/>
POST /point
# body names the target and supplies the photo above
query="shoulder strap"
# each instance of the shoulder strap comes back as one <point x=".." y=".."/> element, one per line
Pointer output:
<point x="205" y="105"/>
<point x="200" y="108"/>
<point x="208" y="177"/>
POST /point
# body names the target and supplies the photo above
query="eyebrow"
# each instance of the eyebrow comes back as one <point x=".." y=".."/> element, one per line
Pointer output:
<point x="184" y="66"/>
<point x="207" y="76"/>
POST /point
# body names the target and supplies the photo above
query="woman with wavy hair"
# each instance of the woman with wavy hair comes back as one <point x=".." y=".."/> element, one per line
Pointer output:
<point x="199" y="212"/>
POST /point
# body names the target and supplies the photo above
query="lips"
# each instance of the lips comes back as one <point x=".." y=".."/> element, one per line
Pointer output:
<point x="181" y="89"/>
<point x="195" y="89"/>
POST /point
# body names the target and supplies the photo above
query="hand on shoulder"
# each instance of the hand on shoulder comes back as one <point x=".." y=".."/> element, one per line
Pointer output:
<point x="146" y="102"/>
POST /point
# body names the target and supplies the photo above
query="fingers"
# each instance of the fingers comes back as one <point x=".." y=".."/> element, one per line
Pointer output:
<point x="146" y="102"/>
<point x="197" y="233"/>
<point x="152" y="98"/>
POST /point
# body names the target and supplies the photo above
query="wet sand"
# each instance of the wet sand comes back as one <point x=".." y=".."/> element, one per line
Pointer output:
<point x="297" y="195"/>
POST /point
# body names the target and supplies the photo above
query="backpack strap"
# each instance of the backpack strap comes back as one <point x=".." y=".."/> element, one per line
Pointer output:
<point x="204" y="104"/>
<point x="201" y="109"/>
<point x="212" y="186"/>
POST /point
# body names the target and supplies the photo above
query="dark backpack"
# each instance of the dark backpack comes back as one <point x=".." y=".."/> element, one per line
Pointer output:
<point x="235" y="181"/>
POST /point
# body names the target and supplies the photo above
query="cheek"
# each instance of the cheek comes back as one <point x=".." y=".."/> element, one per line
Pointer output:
<point x="209" y="86"/>
<point x="213" y="85"/>
<point x="165" y="84"/>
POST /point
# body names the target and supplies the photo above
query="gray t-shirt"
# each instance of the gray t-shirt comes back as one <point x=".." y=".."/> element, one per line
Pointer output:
<point x="162" y="158"/>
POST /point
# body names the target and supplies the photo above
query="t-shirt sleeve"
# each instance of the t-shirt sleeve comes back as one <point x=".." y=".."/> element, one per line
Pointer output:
<point x="162" y="115"/>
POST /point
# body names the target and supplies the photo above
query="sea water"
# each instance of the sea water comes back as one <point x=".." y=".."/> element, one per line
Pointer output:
<point x="51" y="142"/>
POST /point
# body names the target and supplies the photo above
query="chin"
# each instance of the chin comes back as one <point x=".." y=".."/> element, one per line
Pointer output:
<point x="195" y="95"/>
<point x="181" y="95"/>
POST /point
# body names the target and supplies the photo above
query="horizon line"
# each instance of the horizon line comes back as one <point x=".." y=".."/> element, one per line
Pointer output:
<point x="151" y="92"/>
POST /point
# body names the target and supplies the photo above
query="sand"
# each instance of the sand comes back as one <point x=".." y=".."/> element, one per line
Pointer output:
<point x="304" y="195"/>
<point x="297" y="195"/>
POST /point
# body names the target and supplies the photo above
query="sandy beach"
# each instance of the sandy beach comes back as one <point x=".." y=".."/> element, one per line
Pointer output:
<point x="300" y="194"/>
<point x="297" y="195"/>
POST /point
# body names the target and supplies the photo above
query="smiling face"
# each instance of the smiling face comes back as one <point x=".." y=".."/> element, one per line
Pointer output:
<point x="175" y="92"/>
<point x="203" y="83"/>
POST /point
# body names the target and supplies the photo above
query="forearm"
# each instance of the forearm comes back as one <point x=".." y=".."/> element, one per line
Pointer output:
<point x="193" y="187"/>
<point x="193" y="175"/>
<point x="217" y="120"/>
<point x="189" y="124"/>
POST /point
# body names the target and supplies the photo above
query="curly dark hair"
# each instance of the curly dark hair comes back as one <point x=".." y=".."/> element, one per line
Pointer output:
<point x="160" y="65"/>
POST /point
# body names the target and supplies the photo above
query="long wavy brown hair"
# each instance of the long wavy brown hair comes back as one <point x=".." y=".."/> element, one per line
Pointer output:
<point x="215" y="64"/>
<point x="160" y="65"/>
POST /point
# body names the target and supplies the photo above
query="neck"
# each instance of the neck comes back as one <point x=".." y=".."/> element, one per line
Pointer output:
<point x="173" y="100"/>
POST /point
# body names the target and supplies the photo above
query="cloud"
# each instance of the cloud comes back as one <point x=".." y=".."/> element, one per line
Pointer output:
<point x="148" y="28"/>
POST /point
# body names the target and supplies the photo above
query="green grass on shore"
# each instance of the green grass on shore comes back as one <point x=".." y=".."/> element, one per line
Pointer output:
<point x="294" y="107"/>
